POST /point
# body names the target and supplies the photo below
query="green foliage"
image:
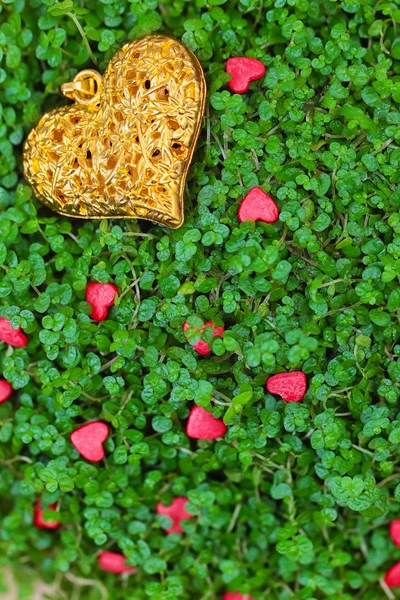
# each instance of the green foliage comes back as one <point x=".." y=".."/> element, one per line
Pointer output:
<point x="294" y="502"/>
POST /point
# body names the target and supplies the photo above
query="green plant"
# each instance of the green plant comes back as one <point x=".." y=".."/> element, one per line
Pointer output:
<point x="295" y="500"/>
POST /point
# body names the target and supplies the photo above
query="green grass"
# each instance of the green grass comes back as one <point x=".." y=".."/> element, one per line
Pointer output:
<point x="294" y="503"/>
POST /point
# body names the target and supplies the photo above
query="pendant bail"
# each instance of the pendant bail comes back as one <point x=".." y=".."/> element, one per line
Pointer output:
<point x="85" y="88"/>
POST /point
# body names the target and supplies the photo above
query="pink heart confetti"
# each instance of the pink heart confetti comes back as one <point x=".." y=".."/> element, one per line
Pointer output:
<point x="258" y="206"/>
<point x="5" y="390"/>
<point x="237" y="596"/>
<point x="392" y="577"/>
<point x="394" y="530"/>
<point x="113" y="563"/>
<point x="176" y="512"/>
<point x="100" y="296"/>
<point x="202" y="425"/>
<point x="13" y="337"/>
<point x="38" y="517"/>
<point x="89" y="438"/>
<point x="202" y="347"/>
<point x="243" y="71"/>
<point x="290" y="386"/>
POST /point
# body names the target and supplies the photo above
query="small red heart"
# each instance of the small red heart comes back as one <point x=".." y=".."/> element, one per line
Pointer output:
<point x="176" y="512"/>
<point x="243" y="71"/>
<point x="237" y="596"/>
<point x="100" y="296"/>
<point x="290" y="386"/>
<point x="113" y="563"/>
<point x="202" y="425"/>
<point x="13" y="337"/>
<point x="394" y="530"/>
<point x="201" y="346"/>
<point x="38" y="517"/>
<point x="5" y="390"/>
<point x="89" y="438"/>
<point x="392" y="577"/>
<point x="258" y="206"/>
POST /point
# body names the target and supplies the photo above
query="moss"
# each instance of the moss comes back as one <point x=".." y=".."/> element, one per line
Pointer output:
<point x="294" y="501"/>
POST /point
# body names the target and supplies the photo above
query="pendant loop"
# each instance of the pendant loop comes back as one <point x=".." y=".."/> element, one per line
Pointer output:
<point x="85" y="88"/>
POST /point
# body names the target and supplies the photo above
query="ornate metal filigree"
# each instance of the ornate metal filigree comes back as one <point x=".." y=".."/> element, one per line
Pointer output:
<point x="123" y="149"/>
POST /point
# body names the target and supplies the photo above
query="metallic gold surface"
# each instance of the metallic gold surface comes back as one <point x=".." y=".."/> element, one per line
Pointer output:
<point x="85" y="88"/>
<point x="123" y="149"/>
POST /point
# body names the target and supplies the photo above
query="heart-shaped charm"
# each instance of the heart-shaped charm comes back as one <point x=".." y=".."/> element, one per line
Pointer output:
<point x="290" y="386"/>
<point x="100" y="296"/>
<point x="394" y="530"/>
<point x="202" y="425"/>
<point x="13" y="337"/>
<point x="237" y="596"/>
<point x="392" y="577"/>
<point x="5" y="390"/>
<point x="258" y="206"/>
<point x="124" y="149"/>
<point x="176" y="512"/>
<point x="201" y="346"/>
<point x="243" y="71"/>
<point x="38" y="517"/>
<point x="113" y="563"/>
<point x="89" y="438"/>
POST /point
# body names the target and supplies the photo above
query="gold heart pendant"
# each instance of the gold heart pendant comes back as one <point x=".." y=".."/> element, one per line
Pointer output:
<point x="123" y="149"/>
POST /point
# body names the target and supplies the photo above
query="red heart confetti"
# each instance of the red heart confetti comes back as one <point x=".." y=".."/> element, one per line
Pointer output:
<point x="201" y="346"/>
<point x="100" y="296"/>
<point x="38" y="517"/>
<point x="5" y="390"/>
<point x="290" y="386"/>
<point x="395" y="532"/>
<point x="392" y="577"/>
<point x="237" y="596"/>
<point x="202" y="425"/>
<point x="176" y="512"/>
<point x="113" y="563"/>
<point x="243" y="71"/>
<point x="258" y="206"/>
<point x="89" y="438"/>
<point x="13" y="337"/>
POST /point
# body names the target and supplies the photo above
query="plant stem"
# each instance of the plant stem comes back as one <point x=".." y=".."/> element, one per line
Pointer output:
<point x="85" y="40"/>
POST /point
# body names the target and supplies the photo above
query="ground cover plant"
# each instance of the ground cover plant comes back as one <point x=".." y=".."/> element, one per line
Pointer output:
<point x="295" y="500"/>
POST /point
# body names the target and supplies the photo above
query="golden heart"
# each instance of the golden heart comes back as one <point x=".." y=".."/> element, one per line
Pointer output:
<point x="124" y="148"/>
